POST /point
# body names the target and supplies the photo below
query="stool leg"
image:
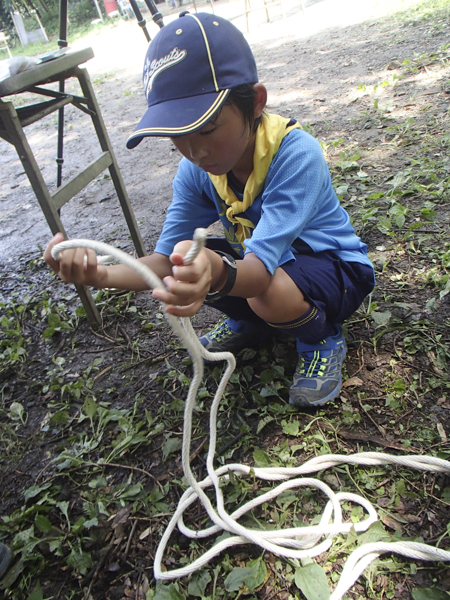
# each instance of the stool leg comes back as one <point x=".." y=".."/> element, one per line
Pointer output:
<point x="17" y="138"/>
<point x="102" y="134"/>
<point x="267" y="12"/>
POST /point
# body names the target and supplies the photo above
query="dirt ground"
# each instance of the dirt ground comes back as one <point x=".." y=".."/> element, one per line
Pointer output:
<point x="325" y="67"/>
<point x="310" y="63"/>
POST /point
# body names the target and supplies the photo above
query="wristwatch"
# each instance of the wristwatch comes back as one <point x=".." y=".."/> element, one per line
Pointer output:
<point x="231" y="278"/>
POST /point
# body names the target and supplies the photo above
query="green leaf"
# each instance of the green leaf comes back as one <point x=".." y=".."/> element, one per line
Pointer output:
<point x="385" y="223"/>
<point x="375" y="196"/>
<point x="446" y="494"/>
<point x="89" y="407"/>
<point x="375" y="533"/>
<point x="261" y="458"/>
<point x="259" y="573"/>
<point x="64" y="508"/>
<point x="17" y="412"/>
<point x="399" y="385"/>
<point x="236" y="578"/>
<point x="429" y="594"/>
<point x="248" y="354"/>
<point x="54" y="320"/>
<point x="428" y="214"/>
<point x="61" y="417"/>
<point x="400" y="179"/>
<point x="12" y="574"/>
<point x="35" y="490"/>
<point x="381" y="318"/>
<point x="346" y="165"/>
<point x="266" y="376"/>
<point x="168" y="592"/>
<point x="400" y="220"/>
<point x="312" y="581"/>
<point x="291" y="427"/>
<point x="54" y="545"/>
<point x="42" y="523"/>
<point x="172" y="444"/>
<point x="80" y="561"/>
<point x="91" y="523"/>
<point x="48" y="333"/>
<point x="131" y="490"/>
<point x="36" y="594"/>
<point x="263" y="422"/>
<point x="198" y="584"/>
<point x="77" y="527"/>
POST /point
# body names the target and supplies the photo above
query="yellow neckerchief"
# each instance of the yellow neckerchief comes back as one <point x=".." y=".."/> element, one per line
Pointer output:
<point x="269" y="136"/>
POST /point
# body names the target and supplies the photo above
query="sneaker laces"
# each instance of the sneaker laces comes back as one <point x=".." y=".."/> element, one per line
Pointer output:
<point x="312" y="364"/>
<point x="221" y="332"/>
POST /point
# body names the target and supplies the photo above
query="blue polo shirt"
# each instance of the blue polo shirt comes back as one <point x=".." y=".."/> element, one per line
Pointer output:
<point x="297" y="206"/>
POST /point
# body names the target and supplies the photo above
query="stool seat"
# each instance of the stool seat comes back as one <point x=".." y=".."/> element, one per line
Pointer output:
<point x="12" y="122"/>
<point x="46" y="72"/>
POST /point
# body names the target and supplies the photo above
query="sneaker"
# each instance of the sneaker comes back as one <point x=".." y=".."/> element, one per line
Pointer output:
<point x="318" y="377"/>
<point x="232" y="336"/>
<point x="5" y="557"/>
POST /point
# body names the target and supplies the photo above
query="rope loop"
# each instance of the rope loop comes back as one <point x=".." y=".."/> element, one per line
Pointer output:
<point x="293" y="542"/>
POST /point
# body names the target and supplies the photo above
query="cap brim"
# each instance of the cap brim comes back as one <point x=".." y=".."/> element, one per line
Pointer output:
<point x="178" y="117"/>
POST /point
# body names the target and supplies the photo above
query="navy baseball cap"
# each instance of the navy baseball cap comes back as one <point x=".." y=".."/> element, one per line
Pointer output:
<point x="190" y="67"/>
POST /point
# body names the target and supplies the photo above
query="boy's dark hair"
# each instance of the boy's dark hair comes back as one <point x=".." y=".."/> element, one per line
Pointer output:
<point x="243" y="98"/>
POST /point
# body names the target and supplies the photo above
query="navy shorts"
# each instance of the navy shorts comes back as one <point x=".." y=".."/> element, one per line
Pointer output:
<point x="329" y="283"/>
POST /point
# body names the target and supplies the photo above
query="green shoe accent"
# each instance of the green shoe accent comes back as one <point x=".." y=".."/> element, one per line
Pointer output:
<point x="318" y="377"/>
<point x="223" y="339"/>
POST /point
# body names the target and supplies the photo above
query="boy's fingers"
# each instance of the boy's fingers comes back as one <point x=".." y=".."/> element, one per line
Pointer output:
<point x="54" y="264"/>
<point x="182" y="290"/>
<point x="72" y="265"/>
<point x="176" y="258"/>
<point x="91" y="260"/>
<point x="184" y="295"/>
<point x="184" y="311"/>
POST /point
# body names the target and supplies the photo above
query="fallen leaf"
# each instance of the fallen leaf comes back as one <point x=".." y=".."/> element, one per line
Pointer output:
<point x="411" y="518"/>
<point x="353" y="381"/>
<point x="145" y="533"/>
<point x="441" y="432"/>
<point x="383" y="502"/>
<point x="391" y="522"/>
<point x="121" y="516"/>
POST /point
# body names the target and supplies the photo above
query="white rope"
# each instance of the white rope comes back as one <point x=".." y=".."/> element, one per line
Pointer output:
<point x="294" y="542"/>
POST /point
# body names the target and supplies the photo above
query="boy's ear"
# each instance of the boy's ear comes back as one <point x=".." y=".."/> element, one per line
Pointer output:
<point x="260" y="99"/>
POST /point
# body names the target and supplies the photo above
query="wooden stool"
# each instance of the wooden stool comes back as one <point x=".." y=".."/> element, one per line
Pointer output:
<point x="12" y="122"/>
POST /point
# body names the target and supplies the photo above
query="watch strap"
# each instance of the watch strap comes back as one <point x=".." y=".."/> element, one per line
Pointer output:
<point x="231" y="278"/>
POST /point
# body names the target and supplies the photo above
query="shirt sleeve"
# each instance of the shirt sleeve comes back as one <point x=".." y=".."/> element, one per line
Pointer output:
<point x="190" y="208"/>
<point x="297" y="199"/>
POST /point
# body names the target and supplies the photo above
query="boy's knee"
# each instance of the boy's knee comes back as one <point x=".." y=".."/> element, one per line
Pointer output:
<point x="280" y="300"/>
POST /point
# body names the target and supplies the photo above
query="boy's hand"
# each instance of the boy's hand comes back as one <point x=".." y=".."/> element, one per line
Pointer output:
<point x="76" y="266"/>
<point x="188" y="285"/>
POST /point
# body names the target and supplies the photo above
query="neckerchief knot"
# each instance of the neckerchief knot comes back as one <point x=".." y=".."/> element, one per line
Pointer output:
<point x="269" y="136"/>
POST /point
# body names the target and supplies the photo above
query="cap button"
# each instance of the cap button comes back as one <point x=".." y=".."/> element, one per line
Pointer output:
<point x="184" y="12"/>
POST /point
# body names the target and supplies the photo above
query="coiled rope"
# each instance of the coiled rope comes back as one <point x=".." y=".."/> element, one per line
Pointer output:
<point x="293" y="542"/>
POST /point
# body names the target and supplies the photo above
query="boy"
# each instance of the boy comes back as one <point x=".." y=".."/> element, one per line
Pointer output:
<point x="291" y="262"/>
